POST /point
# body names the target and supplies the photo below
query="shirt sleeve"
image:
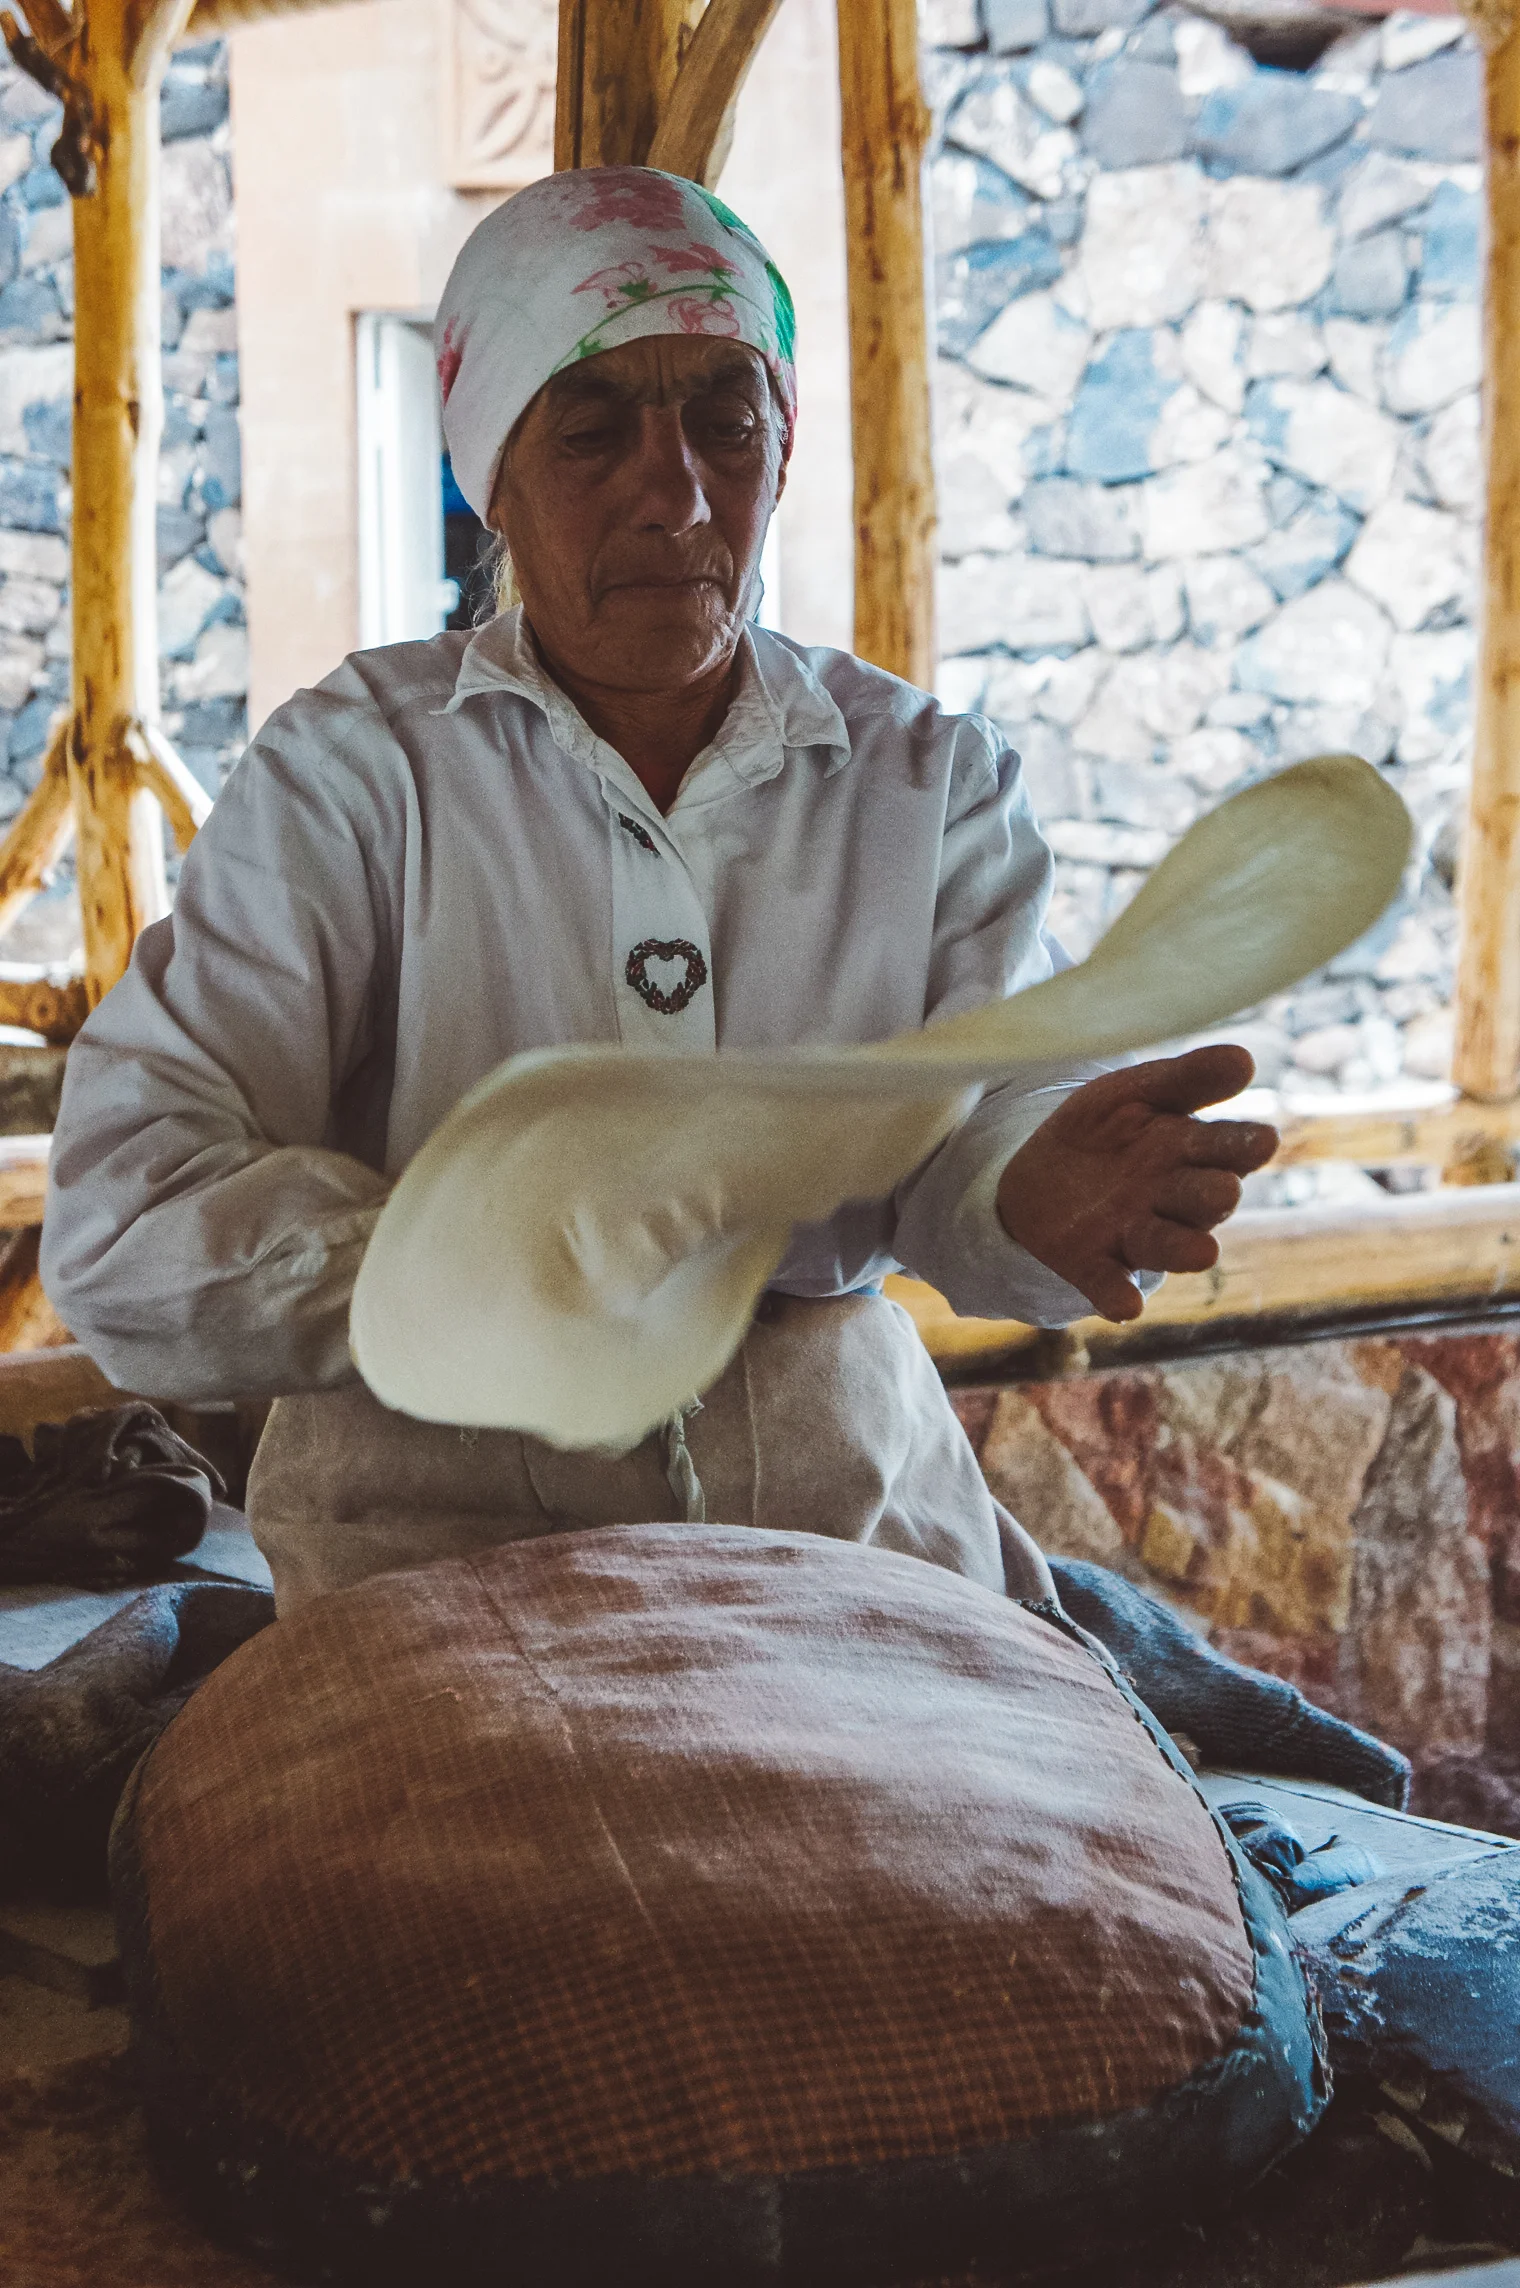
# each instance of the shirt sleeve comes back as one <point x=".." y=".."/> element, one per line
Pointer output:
<point x="203" y="1227"/>
<point x="990" y="940"/>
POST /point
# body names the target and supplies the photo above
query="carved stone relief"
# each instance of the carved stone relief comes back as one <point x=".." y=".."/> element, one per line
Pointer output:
<point x="501" y="67"/>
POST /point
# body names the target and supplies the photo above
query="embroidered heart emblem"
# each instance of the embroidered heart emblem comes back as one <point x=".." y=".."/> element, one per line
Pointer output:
<point x="666" y="949"/>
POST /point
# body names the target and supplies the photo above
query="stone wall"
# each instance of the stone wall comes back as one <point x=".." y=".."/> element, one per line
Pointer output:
<point x="202" y="634"/>
<point x="1346" y="1514"/>
<point x="1208" y="418"/>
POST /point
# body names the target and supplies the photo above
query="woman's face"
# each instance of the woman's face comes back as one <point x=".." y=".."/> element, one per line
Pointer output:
<point x="634" y="497"/>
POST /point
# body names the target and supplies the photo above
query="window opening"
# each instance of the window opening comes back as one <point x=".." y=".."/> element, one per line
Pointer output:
<point x="403" y="590"/>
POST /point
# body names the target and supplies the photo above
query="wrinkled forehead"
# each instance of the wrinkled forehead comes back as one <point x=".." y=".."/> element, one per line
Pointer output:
<point x="658" y="370"/>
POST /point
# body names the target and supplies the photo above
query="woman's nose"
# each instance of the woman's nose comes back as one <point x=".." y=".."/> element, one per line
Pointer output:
<point x="668" y="472"/>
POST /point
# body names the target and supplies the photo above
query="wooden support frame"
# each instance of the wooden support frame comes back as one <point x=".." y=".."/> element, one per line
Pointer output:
<point x="23" y="1181"/>
<point x="884" y="129"/>
<point x="696" y="128"/>
<point x="108" y="770"/>
<point x="1432" y="1128"/>
<point x="1486" y="1056"/>
<point x="618" y="61"/>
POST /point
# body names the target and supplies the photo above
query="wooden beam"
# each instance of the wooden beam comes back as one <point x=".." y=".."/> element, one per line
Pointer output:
<point x="696" y="129"/>
<point x="211" y="18"/>
<point x="48" y="1386"/>
<point x="173" y="785"/>
<point x="884" y="128"/>
<point x="28" y="1321"/>
<point x="45" y="1001"/>
<point x="1486" y="1056"/>
<point x="40" y="834"/>
<point x="1422" y="1247"/>
<point x="51" y="24"/>
<point x="1426" y="1128"/>
<point x="23" y="1183"/>
<point x="618" y="61"/>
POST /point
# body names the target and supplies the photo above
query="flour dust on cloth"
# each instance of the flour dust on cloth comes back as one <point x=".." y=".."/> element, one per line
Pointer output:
<point x="829" y="1419"/>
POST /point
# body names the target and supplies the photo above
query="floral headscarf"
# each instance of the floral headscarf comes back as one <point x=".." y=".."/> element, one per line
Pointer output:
<point x="581" y="262"/>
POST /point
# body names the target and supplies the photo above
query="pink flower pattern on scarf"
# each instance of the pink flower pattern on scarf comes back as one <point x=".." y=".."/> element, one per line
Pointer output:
<point x="712" y="316"/>
<point x="450" y="359"/>
<point x="651" y="203"/>
<point x="624" y="283"/>
<point x="696" y="256"/>
<point x="707" y="309"/>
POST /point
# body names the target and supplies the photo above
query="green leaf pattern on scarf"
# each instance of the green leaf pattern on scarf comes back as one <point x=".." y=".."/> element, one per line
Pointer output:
<point x="702" y="302"/>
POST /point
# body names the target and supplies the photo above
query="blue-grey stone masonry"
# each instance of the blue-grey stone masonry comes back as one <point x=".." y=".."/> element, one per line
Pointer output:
<point x="1209" y="449"/>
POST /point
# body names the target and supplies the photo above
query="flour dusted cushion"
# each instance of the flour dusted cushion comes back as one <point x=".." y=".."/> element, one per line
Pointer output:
<point x="666" y="1905"/>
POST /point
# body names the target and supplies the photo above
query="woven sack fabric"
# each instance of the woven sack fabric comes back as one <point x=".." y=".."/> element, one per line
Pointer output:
<point x="690" y="1904"/>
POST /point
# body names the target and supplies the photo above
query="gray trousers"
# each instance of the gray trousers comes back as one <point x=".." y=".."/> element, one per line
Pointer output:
<point x="829" y="1419"/>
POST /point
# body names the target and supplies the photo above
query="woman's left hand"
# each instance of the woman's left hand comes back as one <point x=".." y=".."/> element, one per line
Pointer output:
<point x="1122" y="1179"/>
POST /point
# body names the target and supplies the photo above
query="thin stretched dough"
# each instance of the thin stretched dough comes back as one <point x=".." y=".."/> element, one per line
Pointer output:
<point x="579" y="1248"/>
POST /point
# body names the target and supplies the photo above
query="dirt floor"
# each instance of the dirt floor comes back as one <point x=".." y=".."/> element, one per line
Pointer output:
<point x="79" y="2208"/>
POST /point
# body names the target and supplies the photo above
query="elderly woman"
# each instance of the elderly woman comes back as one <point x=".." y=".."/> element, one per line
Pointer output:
<point x="619" y="811"/>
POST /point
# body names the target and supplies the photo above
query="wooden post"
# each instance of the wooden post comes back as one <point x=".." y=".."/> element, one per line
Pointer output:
<point x="1486" y="1056"/>
<point x="884" y="127"/>
<point x="696" y="129"/>
<point x="618" y="61"/>
<point x="118" y="419"/>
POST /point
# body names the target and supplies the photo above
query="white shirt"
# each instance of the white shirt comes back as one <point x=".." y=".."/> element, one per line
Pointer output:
<point x="431" y="862"/>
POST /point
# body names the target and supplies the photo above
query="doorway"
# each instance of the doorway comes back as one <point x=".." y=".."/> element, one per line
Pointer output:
<point x="420" y="543"/>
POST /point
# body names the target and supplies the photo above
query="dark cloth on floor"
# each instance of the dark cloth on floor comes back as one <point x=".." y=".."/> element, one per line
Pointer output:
<point x="102" y="1499"/>
<point x="1235" y="1717"/>
<point x="70" y="1733"/>
<point x="1301" y="1878"/>
<point x="1419" y="1983"/>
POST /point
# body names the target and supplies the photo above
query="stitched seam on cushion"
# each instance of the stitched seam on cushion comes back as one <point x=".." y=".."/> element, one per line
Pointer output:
<point x="1254" y="2022"/>
<point x="1044" y="1610"/>
<point x="551" y="1693"/>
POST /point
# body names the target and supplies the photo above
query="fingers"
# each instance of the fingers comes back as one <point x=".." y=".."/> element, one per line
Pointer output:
<point x="1200" y="1197"/>
<point x="1187" y="1083"/>
<point x="1166" y="1084"/>
<point x="1111" y="1291"/>
<point x="1239" y="1145"/>
<point x="1155" y="1243"/>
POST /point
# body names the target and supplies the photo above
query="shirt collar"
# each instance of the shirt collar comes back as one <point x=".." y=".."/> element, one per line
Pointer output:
<point x="779" y="704"/>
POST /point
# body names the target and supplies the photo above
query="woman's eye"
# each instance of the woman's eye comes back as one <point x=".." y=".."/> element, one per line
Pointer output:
<point x="728" y="429"/>
<point x="593" y="437"/>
